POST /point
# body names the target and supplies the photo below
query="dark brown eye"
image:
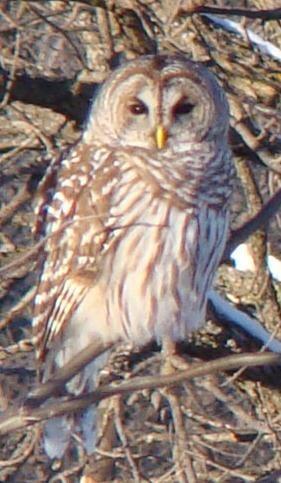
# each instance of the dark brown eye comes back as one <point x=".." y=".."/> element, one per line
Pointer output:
<point x="183" y="107"/>
<point x="137" y="108"/>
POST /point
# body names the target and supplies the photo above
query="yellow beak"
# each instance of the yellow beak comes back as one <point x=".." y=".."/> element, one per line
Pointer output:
<point x="161" y="136"/>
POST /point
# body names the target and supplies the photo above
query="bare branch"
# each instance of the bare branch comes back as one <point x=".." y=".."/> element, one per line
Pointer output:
<point x="259" y="221"/>
<point x="265" y="15"/>
<point x="26" y="416"/>
<point x="51" y="387"/>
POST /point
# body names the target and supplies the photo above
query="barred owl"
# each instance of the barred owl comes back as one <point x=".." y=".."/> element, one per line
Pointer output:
<point x="135" y="217"/>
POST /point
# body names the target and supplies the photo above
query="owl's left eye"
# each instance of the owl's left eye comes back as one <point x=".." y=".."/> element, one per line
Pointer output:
<point x="138" y="107"/>
<point x="183" y="107"/>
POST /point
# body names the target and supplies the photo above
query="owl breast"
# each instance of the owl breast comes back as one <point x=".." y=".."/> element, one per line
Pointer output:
<point x="156" y="268"/>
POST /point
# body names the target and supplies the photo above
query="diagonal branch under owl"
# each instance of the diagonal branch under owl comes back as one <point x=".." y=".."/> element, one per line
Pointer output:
<point x="30" y="414"/>
<point x="222" y="311"/>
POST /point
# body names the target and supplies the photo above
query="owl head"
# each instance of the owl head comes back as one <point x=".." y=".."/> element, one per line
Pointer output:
<point x="159" y="102"/>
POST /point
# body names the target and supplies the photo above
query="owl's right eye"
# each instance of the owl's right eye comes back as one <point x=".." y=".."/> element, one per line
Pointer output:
<point x="138" y="108"/>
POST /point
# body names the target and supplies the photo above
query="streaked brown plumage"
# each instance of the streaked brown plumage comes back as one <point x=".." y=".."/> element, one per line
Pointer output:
<point x="136" y="216"/>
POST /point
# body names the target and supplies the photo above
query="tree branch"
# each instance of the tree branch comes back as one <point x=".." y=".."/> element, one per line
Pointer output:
<point x="265" y="15"/>
<point x="26" y="416"/>
<point x="65" y="373"/>
<point x="259" y="221"/>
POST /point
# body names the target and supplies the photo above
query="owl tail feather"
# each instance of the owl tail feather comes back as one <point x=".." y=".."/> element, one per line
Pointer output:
<point x="59" y="430"/>
<point x="88" y="426"/>
<point x="57" y="433"/>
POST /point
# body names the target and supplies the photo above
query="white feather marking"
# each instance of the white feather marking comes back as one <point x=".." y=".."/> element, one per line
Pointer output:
<point x="41" y="298"/>
<point x="67" y="183"/>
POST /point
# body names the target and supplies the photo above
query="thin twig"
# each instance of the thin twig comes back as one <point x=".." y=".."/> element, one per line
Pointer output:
<point x="64" y="374"/>
<point x="19" y="198"/>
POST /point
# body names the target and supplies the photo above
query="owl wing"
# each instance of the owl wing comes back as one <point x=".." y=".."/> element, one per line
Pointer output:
<point x="72" y="216"/>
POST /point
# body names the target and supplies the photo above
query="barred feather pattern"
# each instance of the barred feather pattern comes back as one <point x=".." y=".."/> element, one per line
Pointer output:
<point x="133" y="234"/>
<point x="134" y="229"/>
